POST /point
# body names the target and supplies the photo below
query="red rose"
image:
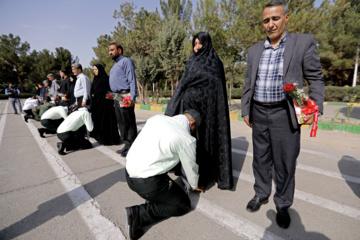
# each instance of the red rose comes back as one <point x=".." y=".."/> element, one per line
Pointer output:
<point x="289" y="87"/>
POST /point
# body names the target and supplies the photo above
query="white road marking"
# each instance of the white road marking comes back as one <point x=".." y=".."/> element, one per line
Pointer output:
<point x="216" y="213"/>
<point x="2" y="122"/>
<point x="312" y="169"/>
<point x="231" y="221"/>
<point x="86" y="206"/>
<point x="320" y="154"/>
<point x="310" y="198"/>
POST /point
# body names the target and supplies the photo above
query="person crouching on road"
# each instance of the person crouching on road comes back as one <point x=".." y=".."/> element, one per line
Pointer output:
<point x="162" y="144"/>
<point x="29" y="104"/>
<point x="52" y="119"/>
<point x="72" y="131"/>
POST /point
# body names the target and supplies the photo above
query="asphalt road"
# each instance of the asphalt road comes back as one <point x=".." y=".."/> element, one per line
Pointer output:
<point x="82" y="195"/>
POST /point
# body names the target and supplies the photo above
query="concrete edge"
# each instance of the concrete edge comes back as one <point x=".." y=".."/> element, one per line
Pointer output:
<point x="321" y="125"/>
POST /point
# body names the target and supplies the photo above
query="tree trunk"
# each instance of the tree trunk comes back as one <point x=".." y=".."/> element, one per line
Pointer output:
<point x="139" y="90"/>
<point x="20" y="84"/>
<point x="157" y="92"/>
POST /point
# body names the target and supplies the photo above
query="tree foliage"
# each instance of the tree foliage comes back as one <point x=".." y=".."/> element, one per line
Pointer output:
<point x="20" y="66"/>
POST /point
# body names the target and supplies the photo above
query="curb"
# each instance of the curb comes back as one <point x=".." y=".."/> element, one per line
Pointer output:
<point x="321" y="125"/>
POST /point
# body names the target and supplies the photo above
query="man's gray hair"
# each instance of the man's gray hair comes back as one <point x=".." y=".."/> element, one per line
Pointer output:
<point x="278" y="3"/>
<point x="77" y="66"/>
<point x="50" y="75"/>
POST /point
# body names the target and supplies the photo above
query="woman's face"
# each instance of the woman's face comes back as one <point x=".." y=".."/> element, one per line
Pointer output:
<point x="71" y="79"/>
<point x="96" y="71"/>
<point x="197" y="45"/>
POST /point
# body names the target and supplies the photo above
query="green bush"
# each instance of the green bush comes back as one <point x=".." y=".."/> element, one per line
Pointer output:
<point x="341" y="94"/>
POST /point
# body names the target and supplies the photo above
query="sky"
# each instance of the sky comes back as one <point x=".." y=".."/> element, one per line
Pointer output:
<point x="71" y="24"/>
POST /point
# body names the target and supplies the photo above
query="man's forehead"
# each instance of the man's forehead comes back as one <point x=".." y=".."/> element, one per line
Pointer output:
<point x="273" y="11"/>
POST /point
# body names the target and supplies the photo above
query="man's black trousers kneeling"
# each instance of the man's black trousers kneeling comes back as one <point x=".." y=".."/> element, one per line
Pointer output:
<point x="165" y="198"/>
<point x="74" y="140"/>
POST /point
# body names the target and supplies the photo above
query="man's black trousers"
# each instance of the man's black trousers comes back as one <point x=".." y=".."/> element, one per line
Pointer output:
<point x="126" y="123"/>
<point x="276" y="146"/>
<point x="51" y="125"/>
<point x="74" y="140"/>
<point x="165" y="198"/>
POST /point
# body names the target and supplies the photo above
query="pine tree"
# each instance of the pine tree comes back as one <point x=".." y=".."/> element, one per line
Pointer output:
<point x="171" y="49"/>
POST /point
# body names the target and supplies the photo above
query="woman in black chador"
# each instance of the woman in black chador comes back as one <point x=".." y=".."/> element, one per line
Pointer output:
<point x="202" y="87"/>
<point x="102" y="110"/>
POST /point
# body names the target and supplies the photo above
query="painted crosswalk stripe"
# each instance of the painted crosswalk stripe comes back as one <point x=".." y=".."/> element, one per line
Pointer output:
<point x="310" y="198"/>
<point x="232" y="222"/>
<point x="311" y="169"/>
<point x="87" y="207"/>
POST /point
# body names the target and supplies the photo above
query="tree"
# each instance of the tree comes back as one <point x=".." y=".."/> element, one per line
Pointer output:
<point x="13" y="57"/>
<point x="339" y="40"/>
<point x="171" y="49"/>
<point x="146" y="72"/>
<point x="102" y="53"/>
<point x="137" y="34"/>
<point x="182" y="9"/>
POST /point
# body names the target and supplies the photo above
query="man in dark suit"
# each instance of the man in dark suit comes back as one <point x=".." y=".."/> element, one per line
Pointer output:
<point x="282" y="58"/>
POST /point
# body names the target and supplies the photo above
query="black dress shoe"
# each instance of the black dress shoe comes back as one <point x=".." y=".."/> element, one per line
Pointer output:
<point x="41" y="132"/>
<point x="124" y="149"/>
<point x="124" y="154"/>
<point x="132" y="223"/>
<point x="255" y="203"/>
<point x="26" y="118"/>
<point x="61" y="148"/>
<point x="283" y="218"/>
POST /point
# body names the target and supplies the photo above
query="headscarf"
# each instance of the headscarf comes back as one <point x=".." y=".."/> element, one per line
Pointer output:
<point x="100" y="83"/>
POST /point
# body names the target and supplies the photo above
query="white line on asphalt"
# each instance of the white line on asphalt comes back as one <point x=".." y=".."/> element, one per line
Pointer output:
<point x="2" y="122"/>
<point x="87" y="207"/>
<point x="231" y="221"/>
<point x="321" y="154"/>
<point x="331" y="156"/>
<point x="313" y="199"/>
<point x="345" y="177"/>
<point x="221" y="216"/>
<point x="312" y="169"/>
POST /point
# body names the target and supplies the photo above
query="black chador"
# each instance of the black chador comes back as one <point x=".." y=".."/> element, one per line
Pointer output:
<point x="202" y="87"/>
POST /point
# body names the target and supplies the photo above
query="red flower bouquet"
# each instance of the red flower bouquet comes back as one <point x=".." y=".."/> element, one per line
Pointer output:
<point x="303" y="105"/>
<point x="125" y="102"/>
<point x="123" y="99"/>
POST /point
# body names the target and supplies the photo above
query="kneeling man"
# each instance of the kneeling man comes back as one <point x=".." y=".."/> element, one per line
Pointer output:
<point x="72" y="131"/>
<point x="161" y="145"/>
<point x="51" y="120"/>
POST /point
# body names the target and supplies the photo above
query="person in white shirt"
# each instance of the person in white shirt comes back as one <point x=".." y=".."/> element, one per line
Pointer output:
<point x="29" y="104"/>
<point x="82" y="86"/>
<point x="72" y="131"/>
<point x="52" y="119"/>
<point x="161" y="145"/>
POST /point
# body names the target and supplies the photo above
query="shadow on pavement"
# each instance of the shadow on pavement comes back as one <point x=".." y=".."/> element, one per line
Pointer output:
<point x="238" y="162"/>
<point x="354" y="114"/>
<point x="344" y="166"/>
<point x="296" y="229"/>
<point x="62" y="205"/>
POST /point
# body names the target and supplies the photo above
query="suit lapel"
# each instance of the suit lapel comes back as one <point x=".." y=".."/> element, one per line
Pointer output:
<point x="289" y="49"/>
<point x="257" y="55"/>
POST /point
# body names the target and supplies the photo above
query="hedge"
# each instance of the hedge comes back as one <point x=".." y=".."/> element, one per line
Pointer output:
<point x="332" y="94"/>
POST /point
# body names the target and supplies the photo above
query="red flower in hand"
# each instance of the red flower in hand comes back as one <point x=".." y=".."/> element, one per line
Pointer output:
<point x="289" y="87"/>
<point x="126" y="101"/>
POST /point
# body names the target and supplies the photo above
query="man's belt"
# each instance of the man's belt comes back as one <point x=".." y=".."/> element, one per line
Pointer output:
<point x="147" y="180"/>
<point x="271" y="104"/>
<point x="124" y="91"/>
